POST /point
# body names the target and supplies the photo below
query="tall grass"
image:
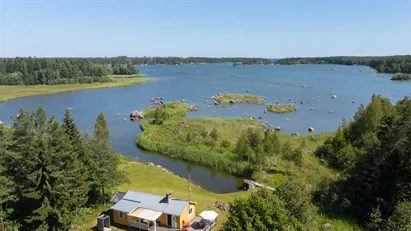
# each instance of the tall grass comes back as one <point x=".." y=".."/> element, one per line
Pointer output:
<point x="225" y="161"/>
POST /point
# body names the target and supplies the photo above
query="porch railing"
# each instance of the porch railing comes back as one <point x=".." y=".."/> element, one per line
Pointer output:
<point x="138" y="225"/>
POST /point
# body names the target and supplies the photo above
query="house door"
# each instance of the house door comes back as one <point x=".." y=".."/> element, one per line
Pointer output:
<point x="171" y="221"/>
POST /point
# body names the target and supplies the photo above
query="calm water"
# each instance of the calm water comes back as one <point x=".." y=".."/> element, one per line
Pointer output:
<point x="195" y="84"/>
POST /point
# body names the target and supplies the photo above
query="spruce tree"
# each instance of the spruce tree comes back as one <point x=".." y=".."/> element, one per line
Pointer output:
<point x="7" y="185"/>
<point x="78" y="142"/>
<point x="59" y="184"/>
<point x="51" y="183"/>
<point x="104" y="170"/>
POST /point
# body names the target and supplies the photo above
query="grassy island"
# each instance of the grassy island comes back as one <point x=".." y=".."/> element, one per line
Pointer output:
<point x="17" y="91"/>
<point x="401" y="77"/>
<point x="228" y="98"/>
<point x="281" y="108"/>
<point x="173" y="109"/>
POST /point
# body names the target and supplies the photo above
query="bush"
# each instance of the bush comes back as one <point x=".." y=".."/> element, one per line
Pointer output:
<point x="264" y="211"/>
<point x="401" y="77"/>
<point x="297" y="201"/>
<point x="400" y="220"/>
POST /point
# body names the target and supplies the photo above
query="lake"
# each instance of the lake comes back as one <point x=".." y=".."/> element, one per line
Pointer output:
<point x="310" y="87"/>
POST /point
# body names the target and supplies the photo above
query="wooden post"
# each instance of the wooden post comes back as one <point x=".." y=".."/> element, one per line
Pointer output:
<point x="2" y="224"/>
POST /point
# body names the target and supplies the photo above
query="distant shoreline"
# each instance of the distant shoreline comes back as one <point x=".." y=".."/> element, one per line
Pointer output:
<point x="8" y="92"/>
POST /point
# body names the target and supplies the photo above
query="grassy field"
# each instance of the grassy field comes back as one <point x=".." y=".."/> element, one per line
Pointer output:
<point x="154" y="180"/>
<point x="238" y="98"/>
<point x="281" y="108"/>
<point x="12" y="92"/>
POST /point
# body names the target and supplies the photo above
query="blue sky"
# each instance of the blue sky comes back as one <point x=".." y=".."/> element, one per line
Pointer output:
<point x="204" y="28"/>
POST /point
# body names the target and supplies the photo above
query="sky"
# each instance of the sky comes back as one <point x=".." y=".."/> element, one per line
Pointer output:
<point x="211" y="28"/>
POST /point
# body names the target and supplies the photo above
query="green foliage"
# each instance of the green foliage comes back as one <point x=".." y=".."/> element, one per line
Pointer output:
<point x="50" y="173"/>
<point x="374" y="153"/>
<point x="186" y="140"/>
<point x="214" y="134"/>
<point x="295" y="156"/>
<point x="383" y="64"/>
<point x="264" y="211"/>
<point x="7" y="185"/>
<point x="51" y="71"/>
<point x="343" y="149"/>
<point x="174" y="109"/>
<point x="297" y="201"/>
<point x="128" y="69"/>
<point x="400" y="220"/>
<point x="226" y="144"/>
<point x="376" y="222"/>
<point x="401" y="77"/>
<point x="51" y="185"/>
<point x="281" y="108"/>
<point x="103" y="171"/>
<point x="160" y="115"/>
<point x="338" y="152"/>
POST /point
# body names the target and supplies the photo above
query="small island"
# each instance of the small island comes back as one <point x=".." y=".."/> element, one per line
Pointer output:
<point x="281" y="108"/>
<point x="173" y="109"/>
<point x="229" y="98"/>
<point x="401" y="77"/>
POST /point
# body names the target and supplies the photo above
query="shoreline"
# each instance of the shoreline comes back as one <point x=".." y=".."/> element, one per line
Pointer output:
<point x="9" y="92"/>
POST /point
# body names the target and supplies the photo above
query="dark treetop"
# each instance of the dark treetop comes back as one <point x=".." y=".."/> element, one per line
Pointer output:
<point x="383" y="64"/>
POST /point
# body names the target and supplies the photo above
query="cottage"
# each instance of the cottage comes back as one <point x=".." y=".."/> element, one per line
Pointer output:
<point x="146" y="211"/>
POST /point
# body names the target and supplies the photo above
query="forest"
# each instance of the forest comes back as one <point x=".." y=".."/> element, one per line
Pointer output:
<point x="51" y="71"/>
<point x="49" y="171"/>
<point x="372" y="156"/>
<point x="383" y="64"/>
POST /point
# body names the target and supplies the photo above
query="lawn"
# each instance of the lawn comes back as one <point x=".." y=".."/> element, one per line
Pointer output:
<point x="154" y="180"/>
<point x="228" y="98"/>
<point x="151" y="179"/>
<point x="12" y="92"/>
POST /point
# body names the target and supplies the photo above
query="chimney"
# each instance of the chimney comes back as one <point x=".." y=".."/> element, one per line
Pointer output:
<point x="168" y="197"/>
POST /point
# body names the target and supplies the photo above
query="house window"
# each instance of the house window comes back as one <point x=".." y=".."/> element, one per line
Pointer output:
<point x="190" y="211"/>
<point x="121" y="215"/>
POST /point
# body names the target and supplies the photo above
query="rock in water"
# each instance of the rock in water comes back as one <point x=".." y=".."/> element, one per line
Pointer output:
<point x="136" y="115"/>
<point x="310" y="129"/>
